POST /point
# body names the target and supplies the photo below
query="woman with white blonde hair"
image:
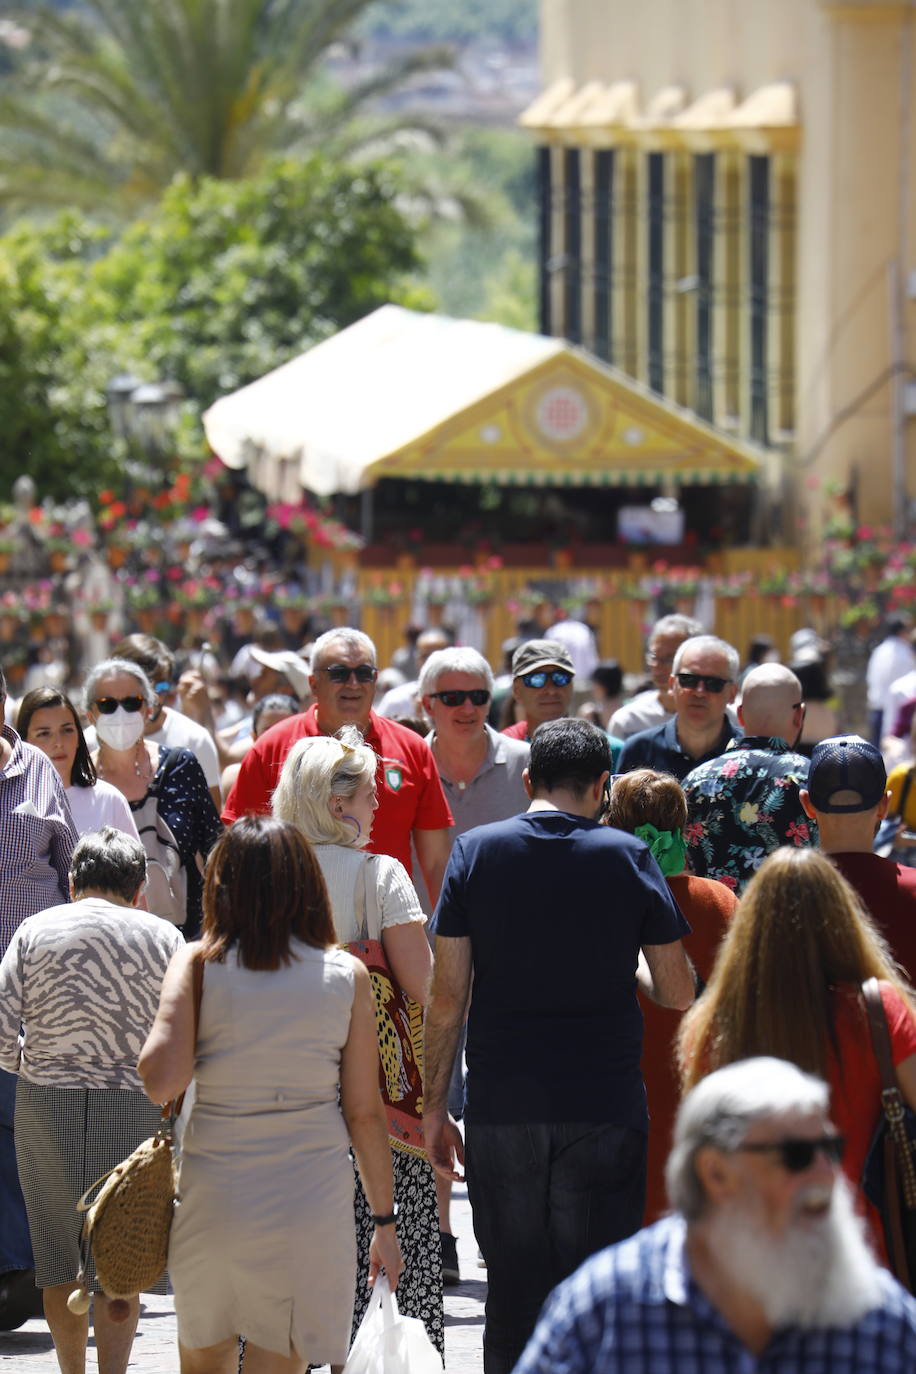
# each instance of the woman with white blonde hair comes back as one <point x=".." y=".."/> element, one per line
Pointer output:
<point x="328" y="789"/>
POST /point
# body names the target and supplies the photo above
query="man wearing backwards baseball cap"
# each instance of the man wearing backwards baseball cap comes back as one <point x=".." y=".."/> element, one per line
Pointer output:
<point x="543" y="677"/>
<point x="846" y="795"/>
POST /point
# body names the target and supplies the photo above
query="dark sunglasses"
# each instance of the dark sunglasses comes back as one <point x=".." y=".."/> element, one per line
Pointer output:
<point x="340" y="674"/>
<point x="712" y="684"/>
<point x="478" y="696"/>
<point x="798" y="1155"/>
<point x="558" y="676"/>
<point x="108" y="705"/>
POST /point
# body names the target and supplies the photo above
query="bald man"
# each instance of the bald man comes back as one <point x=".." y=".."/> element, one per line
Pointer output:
<point x="746" y="803"/>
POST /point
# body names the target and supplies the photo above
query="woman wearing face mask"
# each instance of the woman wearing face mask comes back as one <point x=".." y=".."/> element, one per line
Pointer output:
<point x="165" y="788"/>
<point x="47" y="718"/>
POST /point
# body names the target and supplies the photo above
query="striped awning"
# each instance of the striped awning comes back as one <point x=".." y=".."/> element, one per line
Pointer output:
<point x="610" y="114"/>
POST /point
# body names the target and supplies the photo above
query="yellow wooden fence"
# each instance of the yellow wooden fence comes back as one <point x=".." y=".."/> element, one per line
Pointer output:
<point x="621" y="618"/>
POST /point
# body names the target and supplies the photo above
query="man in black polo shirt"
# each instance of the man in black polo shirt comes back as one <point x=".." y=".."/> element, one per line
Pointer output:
<point x="549" y="911"/>
<point x="704" y="680"/>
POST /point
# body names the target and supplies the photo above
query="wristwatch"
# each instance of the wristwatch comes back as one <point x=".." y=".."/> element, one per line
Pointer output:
<point x="390" y="1218"/>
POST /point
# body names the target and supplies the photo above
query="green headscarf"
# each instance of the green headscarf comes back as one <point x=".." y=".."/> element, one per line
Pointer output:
<point x="667" y="847"/>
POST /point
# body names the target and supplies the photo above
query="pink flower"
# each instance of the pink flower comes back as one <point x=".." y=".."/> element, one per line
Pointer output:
<point x="730" y="768"/>
<point x="694" y="832"/>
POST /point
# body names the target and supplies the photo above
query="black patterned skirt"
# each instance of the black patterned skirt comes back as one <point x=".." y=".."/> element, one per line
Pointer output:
<point x="419" y="1291"/>
<point x="66" y="1138"/>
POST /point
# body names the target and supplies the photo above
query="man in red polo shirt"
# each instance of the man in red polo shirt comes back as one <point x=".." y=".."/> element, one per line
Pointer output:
<point x="411" y="801"/>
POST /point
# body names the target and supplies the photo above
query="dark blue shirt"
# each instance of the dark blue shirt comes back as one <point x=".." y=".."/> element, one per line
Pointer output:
<point x="556" y="908"/>
<point x="659" y="748"/>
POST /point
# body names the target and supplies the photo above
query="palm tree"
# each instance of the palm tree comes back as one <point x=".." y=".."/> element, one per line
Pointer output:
<point x="113" y="99"/>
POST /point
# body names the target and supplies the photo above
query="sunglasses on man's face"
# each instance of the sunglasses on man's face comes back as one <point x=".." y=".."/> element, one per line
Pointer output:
<point x="478" y="696"/>
<point x="108" y="705"/>
<point x="339" y="673"/>
<point x="712" y="684"/>
<point x="558" y="676"/>
<point x="797" y="1154"/>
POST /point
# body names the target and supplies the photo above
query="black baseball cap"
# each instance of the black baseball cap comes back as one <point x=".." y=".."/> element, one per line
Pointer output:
<point x="846" y="774"/>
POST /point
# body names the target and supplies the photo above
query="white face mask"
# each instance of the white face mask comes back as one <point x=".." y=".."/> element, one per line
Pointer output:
<point x="120" y="730"/>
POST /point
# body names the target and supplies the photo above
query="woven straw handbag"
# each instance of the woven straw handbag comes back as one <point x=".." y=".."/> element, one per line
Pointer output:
<point x="127" y="1226"/>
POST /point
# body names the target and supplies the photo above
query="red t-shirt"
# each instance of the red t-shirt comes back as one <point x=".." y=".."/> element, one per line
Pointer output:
<point x="855" y="1082"/>
<point x="888" y="891"/>
<point x="517" y="731"/>
<point x="410" y="794"/>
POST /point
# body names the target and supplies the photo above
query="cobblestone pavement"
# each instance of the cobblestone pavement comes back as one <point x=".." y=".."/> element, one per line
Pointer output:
<point x="31" y="1351"/>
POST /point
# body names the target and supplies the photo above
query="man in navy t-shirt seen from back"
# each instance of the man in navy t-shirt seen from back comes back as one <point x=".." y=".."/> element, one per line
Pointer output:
<point x="548" y="913"/>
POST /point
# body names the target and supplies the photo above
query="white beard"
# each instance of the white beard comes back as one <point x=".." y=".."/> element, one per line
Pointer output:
<point x="819" y="1273"/>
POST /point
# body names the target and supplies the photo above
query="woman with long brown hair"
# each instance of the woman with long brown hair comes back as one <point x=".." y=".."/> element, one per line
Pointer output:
<point x="788" y="983"/>
<point x="653" y="807"/>
<point x="262" y="1246"/>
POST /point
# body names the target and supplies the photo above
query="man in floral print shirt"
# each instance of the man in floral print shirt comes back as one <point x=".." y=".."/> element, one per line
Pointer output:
<point x="746" y="802"/>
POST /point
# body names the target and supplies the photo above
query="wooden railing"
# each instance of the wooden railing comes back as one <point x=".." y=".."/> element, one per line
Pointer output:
<point x="622" y="607"/>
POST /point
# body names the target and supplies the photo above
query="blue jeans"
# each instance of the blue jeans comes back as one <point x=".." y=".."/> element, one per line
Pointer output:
<point x="15" y="1244"/>
<point x="544" y="1198"/>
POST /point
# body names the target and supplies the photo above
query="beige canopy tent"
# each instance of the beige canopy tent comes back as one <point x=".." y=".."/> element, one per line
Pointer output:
<point x="410" y="395"/>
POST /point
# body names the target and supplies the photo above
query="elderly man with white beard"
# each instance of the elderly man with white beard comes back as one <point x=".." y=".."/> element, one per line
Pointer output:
<point x="761" y="1267"/>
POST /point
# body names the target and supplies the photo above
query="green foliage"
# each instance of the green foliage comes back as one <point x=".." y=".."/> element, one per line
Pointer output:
<point x="224" y="281"/>
<point x="53" y="362"/>
<point x="114" y="98"/>
<point x="485" y="269"/>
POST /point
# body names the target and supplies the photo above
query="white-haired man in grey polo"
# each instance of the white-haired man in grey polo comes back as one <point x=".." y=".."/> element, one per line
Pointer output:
<point x="482" y="777"/>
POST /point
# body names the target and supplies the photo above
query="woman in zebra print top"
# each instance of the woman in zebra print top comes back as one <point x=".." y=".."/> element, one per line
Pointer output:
<point x="84" y="980"/>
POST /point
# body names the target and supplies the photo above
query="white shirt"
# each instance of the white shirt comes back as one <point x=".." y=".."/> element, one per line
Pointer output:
<point x="898" y="694"/>
<point x="93" y="807"/>
<point x="890" y="660"/>
<point x="644" y="711"/>
<point x="579" y="641"/>
<point x="401" y="702"/>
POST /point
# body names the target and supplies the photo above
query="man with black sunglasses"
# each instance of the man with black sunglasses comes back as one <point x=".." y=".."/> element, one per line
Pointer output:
<point x="543" y="681"/>
<point x="763" y="1264"/>
<point x="411" y="803"/>
<point x="704" y="680"/>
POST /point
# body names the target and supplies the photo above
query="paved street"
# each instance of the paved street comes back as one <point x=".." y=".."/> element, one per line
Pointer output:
<point x="30" y="1350"/>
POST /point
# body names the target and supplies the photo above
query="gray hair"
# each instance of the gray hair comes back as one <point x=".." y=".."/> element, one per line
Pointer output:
<point x="354" y="639"/>
<point x="453" y="661"/>
<point x="108" y="860"/>
<point x="709" y="643"/>
<point x="108" y="668"/>
<point x="720" y="1110"/>
<point x="316" y="769"/>
<point x="676" y="625"/>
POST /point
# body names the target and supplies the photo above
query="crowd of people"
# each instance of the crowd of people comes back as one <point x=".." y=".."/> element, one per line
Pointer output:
<point x="389" y="925"/>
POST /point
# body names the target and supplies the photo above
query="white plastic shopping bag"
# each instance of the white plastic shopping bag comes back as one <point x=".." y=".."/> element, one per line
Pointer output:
<point x="387" y="1343"/>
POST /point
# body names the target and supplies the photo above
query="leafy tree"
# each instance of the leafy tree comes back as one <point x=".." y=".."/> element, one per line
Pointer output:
<point x="119" y="96"/>
<point x="226" y="280"/>
<point x="223" y="281"/>
<point x="53" y="362"/>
